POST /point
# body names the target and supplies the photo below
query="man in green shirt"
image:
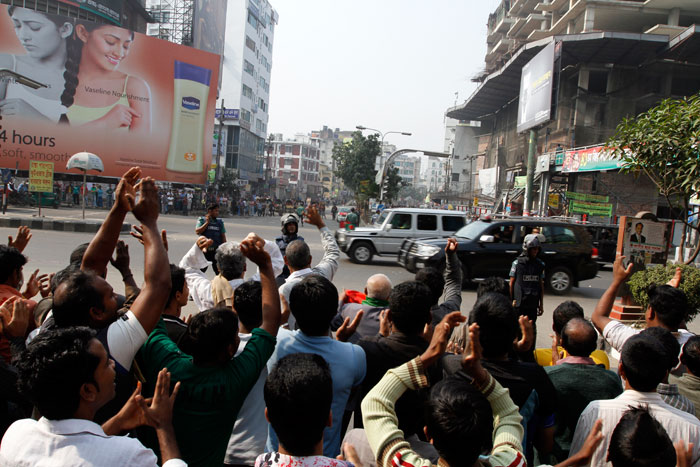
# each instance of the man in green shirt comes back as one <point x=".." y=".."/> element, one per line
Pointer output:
<point x="213" y="383"/>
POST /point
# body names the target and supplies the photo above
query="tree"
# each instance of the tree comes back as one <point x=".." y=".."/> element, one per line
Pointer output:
<point x="228" y="185"/>
<point x="354" y="162"/>
<point x="663" y="144"/>
<point x="393" y="184"/>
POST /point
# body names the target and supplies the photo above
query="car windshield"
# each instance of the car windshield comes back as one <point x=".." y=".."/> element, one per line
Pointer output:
<point x="471" y="231"/>
<point x="382" y="217"/>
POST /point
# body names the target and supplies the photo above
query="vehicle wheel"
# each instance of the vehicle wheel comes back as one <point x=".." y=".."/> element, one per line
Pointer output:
<point x="361" y="252"/>
<point x="560" y="280"/>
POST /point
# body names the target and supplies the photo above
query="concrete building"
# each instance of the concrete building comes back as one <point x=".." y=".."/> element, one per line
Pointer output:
<point x="409" y="168"/>
<point x="295" y="164"/>
<point x="435" y="174"/>
<point x="613" y="59"/>
<point x="462" y="142"/>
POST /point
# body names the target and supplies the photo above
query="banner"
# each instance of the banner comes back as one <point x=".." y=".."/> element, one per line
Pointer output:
<point x="592" y="209"/>
<point x="41" y="176"/>
<point x="110" y="9"/>
<point x="590" y="159"/>
<point x="129" y="98"/>
<point x="587" y="197"/>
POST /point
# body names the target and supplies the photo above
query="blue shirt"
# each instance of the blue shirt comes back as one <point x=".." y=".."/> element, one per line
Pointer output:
<point x="348" y="367"/>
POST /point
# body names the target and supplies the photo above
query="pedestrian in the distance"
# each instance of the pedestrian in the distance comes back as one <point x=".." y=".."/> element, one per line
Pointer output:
<point x="213" y="228"/>
<point x="334" y="211"/>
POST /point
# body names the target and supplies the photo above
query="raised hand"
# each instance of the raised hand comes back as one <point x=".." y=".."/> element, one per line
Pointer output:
<point x="384" y="323"/>
<point x="45" y="284"/>
<point x="138" y="235"/>
<point x="256" y="253"/>
<point x="472" y="361"/>
<point x="441" y="336"/>
<point x="33" y="285"/>
<point x="126" y="189"/>
<point x="148" y="207"/>
<point x="676" y="279"/>
<point x="121" y="259"/>
<point x="24" y="234"/>
<point x="620" y="273"/>
<point x="528" y="335"/>
<point x="313" y="217"/>
<point x="451" y="246"/>
<point x="255" y="238"/>
<point x="347" y="329"/>
<point x="14" y="317"/>
<point x="160" y="411"/>
<point x="203" y="243"/>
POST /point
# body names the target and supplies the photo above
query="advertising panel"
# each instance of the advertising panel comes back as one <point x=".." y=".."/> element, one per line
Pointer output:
<point x="536" y="82"/>
<point x="129" y="98"/>
<point x="41" y="176"/>
<point x="590" y="159"/>
<point x="110" y="9"/>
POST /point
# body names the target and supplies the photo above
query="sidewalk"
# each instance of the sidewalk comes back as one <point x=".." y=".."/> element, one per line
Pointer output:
<point x="62" y="220"/>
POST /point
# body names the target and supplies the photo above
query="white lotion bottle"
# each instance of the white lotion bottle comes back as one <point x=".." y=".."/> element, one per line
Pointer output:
<point x="191" y="86"/>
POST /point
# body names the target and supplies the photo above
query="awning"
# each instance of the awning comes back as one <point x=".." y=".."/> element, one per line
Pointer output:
<point x="685" y="47"/>
<point x="503" y="86"/>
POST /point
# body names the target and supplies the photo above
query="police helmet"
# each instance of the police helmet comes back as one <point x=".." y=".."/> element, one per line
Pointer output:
<point x="531" y="241"/>
<point x="289" y="219"/>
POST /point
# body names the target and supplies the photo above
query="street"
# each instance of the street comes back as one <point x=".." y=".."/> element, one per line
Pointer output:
<point x="49" y="250"/>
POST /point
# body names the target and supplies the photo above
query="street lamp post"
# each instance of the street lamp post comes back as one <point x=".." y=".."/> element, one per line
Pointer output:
<point x="381" y="153"/>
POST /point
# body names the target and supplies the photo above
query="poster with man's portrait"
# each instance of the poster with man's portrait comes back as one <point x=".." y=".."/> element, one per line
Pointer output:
<point x="643" y="242"/>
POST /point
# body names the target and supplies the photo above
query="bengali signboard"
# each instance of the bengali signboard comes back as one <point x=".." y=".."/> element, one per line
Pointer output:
<point x="592" y="209"/>
<point x="41" y="176"/>
<point x="587" y="197"/>
<point x="140" y="101"/>
<point x="590" y="159"/>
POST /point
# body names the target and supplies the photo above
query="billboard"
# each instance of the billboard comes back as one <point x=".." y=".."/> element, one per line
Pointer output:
<point x="591" y="159"/>
<point x="129" y="98"/>
<point x="536" y="82"/>
<point x="110" y="9"/>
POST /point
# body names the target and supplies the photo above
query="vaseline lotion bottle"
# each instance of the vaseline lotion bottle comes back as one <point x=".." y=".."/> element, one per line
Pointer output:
<point x="189" y="112"/>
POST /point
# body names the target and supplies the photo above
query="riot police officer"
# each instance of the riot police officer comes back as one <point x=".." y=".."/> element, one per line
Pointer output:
<point x="290" y="229"/>
<point x="527" y="282"/>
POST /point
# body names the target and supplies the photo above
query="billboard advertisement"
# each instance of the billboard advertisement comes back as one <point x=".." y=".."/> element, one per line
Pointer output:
<point x="110" y="9"/>
<point x="591" y="159"/>
<point x="536" y="82"/>
<point x="129" y="98"/>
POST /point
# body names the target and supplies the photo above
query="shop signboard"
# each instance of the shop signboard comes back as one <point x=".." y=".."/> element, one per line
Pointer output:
<point x="590" y="159"/>
<point x="145" y="102"/>
<point x="592" y="209"/>
<point x="587" y="197"/>
<point x="41" y="176"/>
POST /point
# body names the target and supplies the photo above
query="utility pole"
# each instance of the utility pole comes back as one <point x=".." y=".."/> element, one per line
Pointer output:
<point x="527" y="208"/>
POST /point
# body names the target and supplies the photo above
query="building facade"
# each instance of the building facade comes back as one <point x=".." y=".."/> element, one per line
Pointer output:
<point x="613" y="59"/>
<point x="295" y="165"/>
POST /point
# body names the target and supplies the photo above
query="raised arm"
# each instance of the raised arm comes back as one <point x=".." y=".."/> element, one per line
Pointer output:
<point x="99" y="252"/>
<point x="150" y="303"/>
<point x="202" y="228"/>
<point x="601" y="314"/>
<point x="193" y="262"/>
<point x="453" y="281"/>
<point x="254" y="250"/>
<point x="331" y="253"/>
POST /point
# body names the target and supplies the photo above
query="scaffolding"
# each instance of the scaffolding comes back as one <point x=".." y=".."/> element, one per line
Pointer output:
<point x="174" y="20"/>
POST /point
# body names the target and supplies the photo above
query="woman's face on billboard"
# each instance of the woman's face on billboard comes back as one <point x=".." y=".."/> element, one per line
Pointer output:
<point x="106" y="46"/>
<point x="40" y="36"/>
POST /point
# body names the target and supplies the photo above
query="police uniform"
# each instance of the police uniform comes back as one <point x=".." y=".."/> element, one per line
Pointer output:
<point x="527" y="290"/>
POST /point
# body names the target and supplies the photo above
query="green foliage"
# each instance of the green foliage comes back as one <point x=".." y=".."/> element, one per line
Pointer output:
<point x="354" y="162"/>
<point x="227" y="183"/>
<point x="394" y="182"/>
<point x="690" y="284"/>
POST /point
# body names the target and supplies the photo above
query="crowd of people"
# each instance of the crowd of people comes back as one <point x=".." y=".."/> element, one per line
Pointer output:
<point x="279" y="369"/>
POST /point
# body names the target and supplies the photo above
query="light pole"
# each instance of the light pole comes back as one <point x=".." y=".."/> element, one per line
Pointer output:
<point x="381" y="152"/>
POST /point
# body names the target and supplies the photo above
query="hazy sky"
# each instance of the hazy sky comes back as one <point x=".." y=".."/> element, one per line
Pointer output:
<point x="394" y="65"/>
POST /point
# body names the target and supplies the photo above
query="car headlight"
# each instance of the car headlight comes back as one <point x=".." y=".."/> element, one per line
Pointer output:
<point x="341" y="236"/>
<point x="426" y="250"/>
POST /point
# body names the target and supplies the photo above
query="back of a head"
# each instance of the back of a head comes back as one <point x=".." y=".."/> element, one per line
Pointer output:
<point x="434" y="280"/>
<point x="459" y="420"/>
<point x="497" y="322"/>
<point x="669" y="303"/>
<point x="177" y="279"/>
<point x="11" y="260"/>
<point x="76" y="256"/>
<point x="564" y="312"/>
<point x="639" y="440"/>
<point x="644" y="362"/>
<point x="247" y="303"/>
<point x="74" y="297"/>
<point x="209" y="333"/>
<point x="298" y="394"/>
<point x="669" y="343"/>
<point x="491" y="285"/>
<point x="314" y="303"/>
<point x="379" y="287"/>
<point x="691" y="355"/>
<point x="298" y="254"/>
<point x="409" y="307"/>
<point x="54" y="367"/>
<point x="230" y="260"/>
<point x="579" y="337"/>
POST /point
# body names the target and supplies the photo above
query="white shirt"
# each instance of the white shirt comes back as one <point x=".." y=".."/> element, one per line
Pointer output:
<point x="250" y="431"/>
<point x="125" y="336"/>
<point x="200" y="286"/>
<point x="678" y="424"/>
<point x="74" y="442"/>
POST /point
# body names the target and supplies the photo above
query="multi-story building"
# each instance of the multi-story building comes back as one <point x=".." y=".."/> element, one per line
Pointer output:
<point x="326" y="139"/>
<point x="613" y="59"/>
<point x="296" y="166"/>
<point x="435" y="174"/>
<point x="409" y="168"/>
<point x="462" y="142"/>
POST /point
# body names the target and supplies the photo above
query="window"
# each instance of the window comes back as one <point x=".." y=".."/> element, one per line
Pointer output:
<point x="452" y="223"/>
<point x="245" y="115"/>
<point x="252" y="20"/>
<point x="247" y="92"/>
<point x="502" y="233"/>
<point x="401" y="221"/>
<point x="250" y="43"/>
<point x="427" y="222"/>
<point x="559" y="234"/>
<point x="248" y="67"/>
<point x="288" y="148"/>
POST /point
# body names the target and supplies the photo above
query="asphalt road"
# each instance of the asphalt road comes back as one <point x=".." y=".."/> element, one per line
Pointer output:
<point x="48" y="251"/>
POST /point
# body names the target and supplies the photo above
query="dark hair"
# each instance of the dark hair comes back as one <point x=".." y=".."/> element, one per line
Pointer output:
<point x="564" y="312"/>
<point x="579" y="337"/>
<point x="669" y="343"/>
<point x="434" y="280"/>
<point x="459" y="420"/>
<point x="497" y="323"/>
<point x="639" y="440"/>
<point x="177" y="278"/>
<point x="209" y="333"/>
<point x="669" y="303"/>
<point x="409" y="307"/>
<point x="11" y="260"/>
<point x="71" y="306"/>
<point x="492" y="285"/>
<point x="638" y="224"/>
<point x="298" y="394"/>
<point x="54" y="367"/>
<point x="247" y="303"/>
<point x="644" y="362"/>
<point x="314" y="303"/>
<point x="76" y="256"/>
<point x="691" y="355"/>
<point x="212" y="206"/>
<point x="298" y="254"/>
